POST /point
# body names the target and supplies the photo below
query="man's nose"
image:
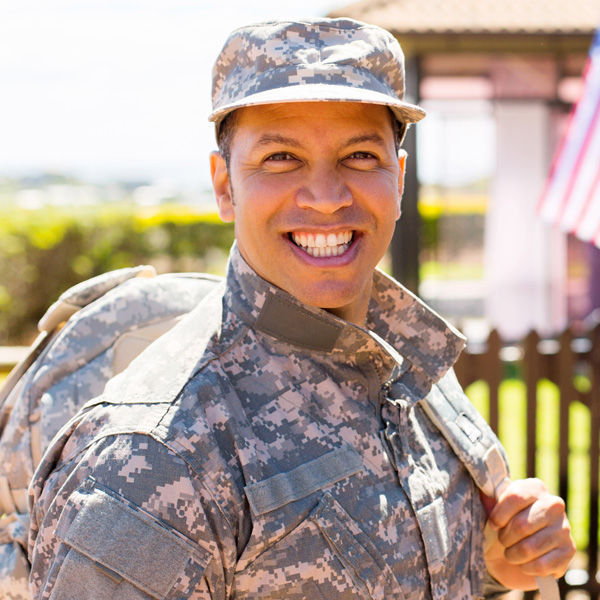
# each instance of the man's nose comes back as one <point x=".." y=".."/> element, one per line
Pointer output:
<point x="324" y="191"/>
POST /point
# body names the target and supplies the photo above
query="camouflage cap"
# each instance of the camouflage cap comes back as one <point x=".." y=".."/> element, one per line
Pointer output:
<point x="339" y="60"/>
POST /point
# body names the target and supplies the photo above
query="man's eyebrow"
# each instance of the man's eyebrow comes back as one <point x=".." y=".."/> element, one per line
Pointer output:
<point x="367" y="137"/>
<point x="274" y="138"/>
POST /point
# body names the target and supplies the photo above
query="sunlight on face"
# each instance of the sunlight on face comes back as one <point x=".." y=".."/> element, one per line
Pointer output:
<point x="317" y="189"/>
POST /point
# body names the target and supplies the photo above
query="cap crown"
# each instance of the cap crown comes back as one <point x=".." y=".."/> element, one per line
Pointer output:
<point x="311" y="60"/>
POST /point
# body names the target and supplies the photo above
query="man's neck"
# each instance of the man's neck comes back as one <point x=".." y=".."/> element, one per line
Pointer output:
<point x="355" y="313"/>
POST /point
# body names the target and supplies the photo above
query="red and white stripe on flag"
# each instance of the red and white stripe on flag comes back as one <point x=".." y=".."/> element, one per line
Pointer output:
<point x="571" y="198"/>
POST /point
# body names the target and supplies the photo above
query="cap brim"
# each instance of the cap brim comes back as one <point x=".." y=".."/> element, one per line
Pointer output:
<point x="318" y="92"/>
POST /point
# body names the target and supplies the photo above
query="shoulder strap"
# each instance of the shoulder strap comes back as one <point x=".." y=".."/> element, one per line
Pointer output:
<point x="467" y="432"/>
<point x="476" y="445"/>
<point x="90" y="334"/>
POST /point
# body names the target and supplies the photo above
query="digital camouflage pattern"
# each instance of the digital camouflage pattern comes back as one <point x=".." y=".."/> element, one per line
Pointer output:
<point x="118" y="314"/>
<point x="311" y="60"/>
<point x="265" y="449"/>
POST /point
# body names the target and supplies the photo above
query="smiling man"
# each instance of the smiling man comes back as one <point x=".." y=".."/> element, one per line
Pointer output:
<point x="276" y="444"/>
<point x="314" y="189"/>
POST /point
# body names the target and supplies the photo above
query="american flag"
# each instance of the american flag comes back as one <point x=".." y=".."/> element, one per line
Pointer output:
<point x="571" y="199"/>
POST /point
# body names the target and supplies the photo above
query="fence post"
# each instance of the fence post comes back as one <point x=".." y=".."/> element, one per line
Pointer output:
<point x="567" y="392"/>
<point x="532" y="374"/>
<point x="494" y="368"/>
<point x="557" y="360"/>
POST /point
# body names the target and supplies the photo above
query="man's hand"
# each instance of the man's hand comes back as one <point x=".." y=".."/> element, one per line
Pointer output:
<point x="533" y="535"/>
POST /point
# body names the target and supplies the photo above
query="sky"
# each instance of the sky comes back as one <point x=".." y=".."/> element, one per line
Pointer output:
<point x="119" y="89"/>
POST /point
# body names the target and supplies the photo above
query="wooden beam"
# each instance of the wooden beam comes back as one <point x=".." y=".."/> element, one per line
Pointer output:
<point x="405" y="243"/>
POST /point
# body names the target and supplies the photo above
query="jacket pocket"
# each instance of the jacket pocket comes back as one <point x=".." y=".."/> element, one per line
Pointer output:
<point x="113" y="549"/>
<point x="326" y="555"/>
<point x="372" y="576"/>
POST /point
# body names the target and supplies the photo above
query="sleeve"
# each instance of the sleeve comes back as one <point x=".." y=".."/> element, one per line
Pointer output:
<point x="128" y="520"/>
<point x="14" y="567"/>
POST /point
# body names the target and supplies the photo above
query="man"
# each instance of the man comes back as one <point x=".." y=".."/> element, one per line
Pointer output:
<point x="273" y="444"/>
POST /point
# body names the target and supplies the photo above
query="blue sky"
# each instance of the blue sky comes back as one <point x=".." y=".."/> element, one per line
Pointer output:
<point x="109" y="89"/>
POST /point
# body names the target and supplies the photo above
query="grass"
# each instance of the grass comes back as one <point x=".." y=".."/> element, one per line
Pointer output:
<point x="513" y="434"/>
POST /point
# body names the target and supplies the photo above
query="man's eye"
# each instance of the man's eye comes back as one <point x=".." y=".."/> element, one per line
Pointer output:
<point x="362" y="155"/>
<point x="361" y="161"/>
<point x="280" y="157"/>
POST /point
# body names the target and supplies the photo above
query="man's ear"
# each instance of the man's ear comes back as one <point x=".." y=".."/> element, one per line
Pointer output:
<point x="402" y="156"/>
<point x="222" y="187"/>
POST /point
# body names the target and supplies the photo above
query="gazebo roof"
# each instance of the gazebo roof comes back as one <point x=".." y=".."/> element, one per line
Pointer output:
<point x="476" y="17"/>
<point x="558" y="27"/>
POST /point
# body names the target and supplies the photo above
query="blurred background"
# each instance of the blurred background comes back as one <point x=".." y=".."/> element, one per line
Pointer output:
<point x="103" y="112"/>
<point x="103" y="164"/>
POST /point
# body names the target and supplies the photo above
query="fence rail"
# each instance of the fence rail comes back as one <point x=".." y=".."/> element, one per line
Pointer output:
<point x="572" y="363"/>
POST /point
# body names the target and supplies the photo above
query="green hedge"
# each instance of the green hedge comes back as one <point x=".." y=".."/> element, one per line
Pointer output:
<point x="44" y="252"/>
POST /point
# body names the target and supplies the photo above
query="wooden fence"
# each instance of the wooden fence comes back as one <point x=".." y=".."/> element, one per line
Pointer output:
<point x="572" y="363"/>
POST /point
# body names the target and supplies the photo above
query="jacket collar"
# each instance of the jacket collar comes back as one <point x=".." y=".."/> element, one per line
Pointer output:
<point x="401" y="331"/>
<point x="410" y="346"/>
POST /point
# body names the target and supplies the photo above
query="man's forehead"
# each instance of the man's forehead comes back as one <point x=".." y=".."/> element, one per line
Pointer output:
<point x="289" y="123"/>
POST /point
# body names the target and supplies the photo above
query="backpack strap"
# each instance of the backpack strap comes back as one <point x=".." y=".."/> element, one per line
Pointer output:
<point x="477" y="447"/>
<point x="467" y="432"/>
<point x="20" y="437"/>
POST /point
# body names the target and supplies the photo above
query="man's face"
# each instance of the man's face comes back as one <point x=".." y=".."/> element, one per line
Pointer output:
<point x="314" y="189"/>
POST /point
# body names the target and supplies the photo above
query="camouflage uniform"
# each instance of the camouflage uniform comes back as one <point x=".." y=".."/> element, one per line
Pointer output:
<point x="264" y="449"/>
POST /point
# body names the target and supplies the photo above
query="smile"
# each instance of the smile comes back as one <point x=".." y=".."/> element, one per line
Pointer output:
<point x="323" y="244"/>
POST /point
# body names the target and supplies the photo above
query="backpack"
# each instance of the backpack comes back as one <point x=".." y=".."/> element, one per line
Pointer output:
<point x="92" y="333"/>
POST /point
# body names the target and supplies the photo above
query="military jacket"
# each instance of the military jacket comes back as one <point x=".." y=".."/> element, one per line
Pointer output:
<point x="264" y="449"/>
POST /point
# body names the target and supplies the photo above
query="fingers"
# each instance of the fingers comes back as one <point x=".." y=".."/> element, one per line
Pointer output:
<point x="533" y="528"/>
<point x="548" y="551"/>
<point x="488" y="503"/>
<point x="517" y="497"/>
<point x="546" y="513"/>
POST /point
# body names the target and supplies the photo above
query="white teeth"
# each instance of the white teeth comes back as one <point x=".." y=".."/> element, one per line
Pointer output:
<point x="320" y="240"/>
<point x="320" y="244"/>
